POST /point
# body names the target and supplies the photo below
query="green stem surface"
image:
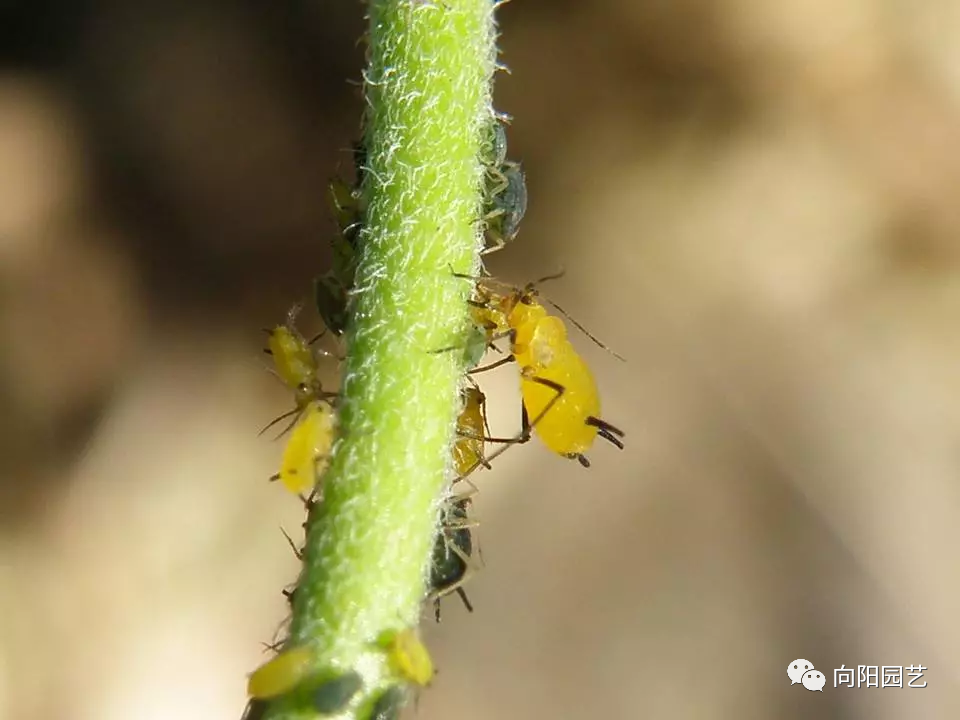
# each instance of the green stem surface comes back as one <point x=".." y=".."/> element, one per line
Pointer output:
<point x="368" y="547"/>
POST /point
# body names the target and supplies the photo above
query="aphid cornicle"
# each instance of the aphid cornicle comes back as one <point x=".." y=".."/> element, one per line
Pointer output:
<point x="561" y="402"/>
<point x="308" y="449"/>
<point x="452" y="555"/>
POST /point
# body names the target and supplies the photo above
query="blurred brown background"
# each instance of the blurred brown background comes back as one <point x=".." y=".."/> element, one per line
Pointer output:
<point x="755" y="202"/>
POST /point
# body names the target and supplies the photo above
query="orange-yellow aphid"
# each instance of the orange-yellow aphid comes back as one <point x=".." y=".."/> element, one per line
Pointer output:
<point x="282" y="673"/>
<point x="471" y="430"/>
<point x="407" y="655"/>
<point x="308" y="449"/>
<point x="560" y="396"/>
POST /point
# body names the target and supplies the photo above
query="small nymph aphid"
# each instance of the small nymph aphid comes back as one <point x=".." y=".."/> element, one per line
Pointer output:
<point x="505" y="190"/>
<point x="282" y="673"/>
<point x="297" y="363"/>
<point x="506" y="207"/>
<point x="471" y="431"/>
<point x="307" y="451"/>
<point x="452" y="554"/>
<point x="407" y="656"/>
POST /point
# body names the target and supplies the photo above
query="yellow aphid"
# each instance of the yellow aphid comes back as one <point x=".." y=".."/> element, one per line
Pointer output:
<point x="295" y="362"/>
<point x="308" y="448"/>
<point x="408" y="656"/>
<point x="561" y="402"/>
<point x="282" y="673"/>
<point x="292" y="357"/>
<point x="471" y="428"/>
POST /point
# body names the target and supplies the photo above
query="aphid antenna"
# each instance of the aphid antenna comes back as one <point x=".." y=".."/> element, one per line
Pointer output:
<point x="295" y="412"/>
<point x="586" y="332"/>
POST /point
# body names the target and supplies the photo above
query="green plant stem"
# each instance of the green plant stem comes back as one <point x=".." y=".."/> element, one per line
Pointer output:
<point x="368" y="546"/>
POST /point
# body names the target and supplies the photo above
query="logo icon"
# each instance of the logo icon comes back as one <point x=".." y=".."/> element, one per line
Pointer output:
<point x="813" y="680"/>
<point x="797" y="668"/>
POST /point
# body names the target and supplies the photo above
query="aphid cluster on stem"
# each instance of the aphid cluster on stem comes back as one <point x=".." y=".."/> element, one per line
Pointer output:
<point x="560" y="405"/>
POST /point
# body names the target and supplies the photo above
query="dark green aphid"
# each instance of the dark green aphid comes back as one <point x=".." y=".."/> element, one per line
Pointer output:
<point x="333" y="695"/>
<point x="330" y="298"/>
<point x="452" y="551"/>
<point x="389" y="704"/>
<point x="506" y="207"/>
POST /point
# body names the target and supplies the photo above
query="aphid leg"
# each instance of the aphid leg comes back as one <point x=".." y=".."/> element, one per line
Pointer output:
<point x="497" y="363"/>
<point x="481" y="460"/>
<point x="527" y="427"/>
<point x="471" y="569"/>
<point x="293" y="546"/>
<point x="464" y="496"/>
<point x="311" y="499"/>
<point x="498" y="244"/>
<point x="466" y="601"/>
<point x="500" y="183"/>
<point x="316" y="337"/>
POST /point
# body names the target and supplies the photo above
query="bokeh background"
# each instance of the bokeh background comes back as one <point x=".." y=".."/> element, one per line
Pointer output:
<point x="755" y="202"/>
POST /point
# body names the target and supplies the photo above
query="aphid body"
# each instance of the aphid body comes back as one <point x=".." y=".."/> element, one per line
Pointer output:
<point x="471" y="429"/>
<point x="308" y="448"/>
<point x="452" y="553"/>
<point x="408" y="656"/>
<point x="295" y="361"/>
<point x="561" y="401"/>
<point x="282" y="673"/>
<point x="507" y="207"/>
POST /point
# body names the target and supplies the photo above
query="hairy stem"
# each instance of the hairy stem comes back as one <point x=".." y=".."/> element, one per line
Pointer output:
<point x="369" y="542"/>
